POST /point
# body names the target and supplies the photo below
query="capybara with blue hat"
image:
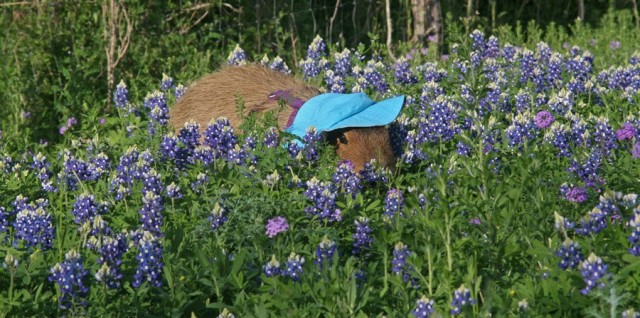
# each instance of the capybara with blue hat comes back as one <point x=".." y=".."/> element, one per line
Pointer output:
<point x="352" y="123"/>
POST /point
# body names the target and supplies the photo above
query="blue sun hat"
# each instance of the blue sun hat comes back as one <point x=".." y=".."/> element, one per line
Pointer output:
<point x="331" y="111"/>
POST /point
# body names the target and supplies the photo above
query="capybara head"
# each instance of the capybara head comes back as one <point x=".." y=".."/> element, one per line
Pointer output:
<point x="361" y="144"/>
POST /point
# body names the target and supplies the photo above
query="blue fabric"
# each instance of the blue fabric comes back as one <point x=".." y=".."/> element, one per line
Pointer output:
<point x="331" y="111"/>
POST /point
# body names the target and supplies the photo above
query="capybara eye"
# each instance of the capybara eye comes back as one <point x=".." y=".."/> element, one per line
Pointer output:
<point x="342" y="139"/>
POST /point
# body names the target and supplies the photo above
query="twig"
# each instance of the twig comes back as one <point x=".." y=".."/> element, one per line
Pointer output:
<point x="116" y="43"/>
<point x="333" y="18"/>
<point x="389" y="29"/>
<point x="19" y="3"/>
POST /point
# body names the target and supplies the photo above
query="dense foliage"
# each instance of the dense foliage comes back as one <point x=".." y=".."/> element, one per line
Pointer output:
<point x="515" y="194"/>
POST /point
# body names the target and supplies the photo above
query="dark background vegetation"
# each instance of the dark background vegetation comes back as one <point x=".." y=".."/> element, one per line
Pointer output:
<point x="53" y="62"/>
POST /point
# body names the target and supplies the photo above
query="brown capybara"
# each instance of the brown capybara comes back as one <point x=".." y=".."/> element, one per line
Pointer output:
<point x="219" y="93"/>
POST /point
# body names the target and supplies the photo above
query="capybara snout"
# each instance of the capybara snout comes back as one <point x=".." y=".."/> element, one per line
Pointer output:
<point x="217" y="95"/>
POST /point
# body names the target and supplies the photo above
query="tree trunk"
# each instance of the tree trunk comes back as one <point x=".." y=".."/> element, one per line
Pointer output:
<point x="427" y="21"/>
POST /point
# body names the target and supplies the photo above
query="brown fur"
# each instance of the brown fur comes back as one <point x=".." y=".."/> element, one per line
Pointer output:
<point x="217" y="95"/>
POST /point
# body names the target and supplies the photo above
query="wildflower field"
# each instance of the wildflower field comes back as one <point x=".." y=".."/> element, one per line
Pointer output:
<point x="515" y="194"/>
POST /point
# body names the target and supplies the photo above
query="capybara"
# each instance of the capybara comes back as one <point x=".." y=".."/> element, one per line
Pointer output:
<point x="218" y="94"/>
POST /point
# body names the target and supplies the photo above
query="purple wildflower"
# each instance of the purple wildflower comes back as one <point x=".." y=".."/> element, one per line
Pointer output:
<point x="626" y="132"/>
<point x="543" y="119"/>
<point x="577" y="194"/>
<point x="121" y="95"/>
<point x="276" y="225"/>
<point x="614" y="44"/>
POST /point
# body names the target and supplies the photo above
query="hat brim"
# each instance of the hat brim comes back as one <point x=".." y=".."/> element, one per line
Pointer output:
<point x="331" y="111"/>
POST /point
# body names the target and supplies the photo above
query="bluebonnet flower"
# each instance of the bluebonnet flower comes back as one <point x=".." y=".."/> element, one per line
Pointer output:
<point x="276" y="226"/>
<point x="121" y="95"/>
<point x="561" y="223"/>
<point x="169" y="146"/>
<point x="347" y="179"/>
<point x="111" y="250"/>
<point x="570" y="254"/>
<point x="560" y="137"/>
<point x="311" y="143"/>
<point x="10" y="263"/>
<point x="440" y="124"/>
<point x="461" y="298"/>
<point x="4" y="220"/>
<point x="41" y="167"/>
<point x="272" y="268"/>
<point x="527" y="65"/>
<point x="317" y="48"/>
<point x="492" y="47"/>
<point x="71" y="277"/>
<point x="604" y="135"/>
<point x="626" y="132"/>
<point x="403" y="73"/>
<point x="521" y="129"/>
<point x="634" y="237"/>
<point x="151" y="182"/>
<point x="592" y="270"/>
<point x="509" y="52"/>
<point x="561" y="102"/>
<point x="362" y="239"/>
<point x="342" y="65"/>
<point x="86" y="208"/>
<point x="173" y="191"/>
<point x="201" y="179"/>
<point x="278" y="64"/>
<point x="151" y="213"/>
<point x="630" y="313"/>
<point x="271" y="137"/>
<point x="237" y="56"/>
<point x="202" y="154"/>
<point x="431" y="73"/>
<point x="324" y="252"/>
<point x="543" y="119"/>
<point x="189" y="135"/>
<point x="272" y="179"/>
<point x="237" y="155"/>
<point x="463" y="149"/>
<point x="393" y="203"/>
<point x="588" y="171"/>
<point x="156" y="104"/>
<point x="323" y="198"/>
<point x="294" y="267"/>
<point x="167" y="82"/>
<point x="478" y="43"/>
<point x="149" y="259"/>
<point x="335" y="83"/>
<point x="372" y="172"/>
<point x="179" y="91"/>
<point x="34" y="226"/>
<point x="218" y="216"/>
<point x="220" y="137"/>
<point x="592" y="223"/>
<point x="424" y="308"/>
<point x="226" y="314"/>
<point x="399" y="264"/>
<point x="374" y="77"/>
<point x="310" y="68"/>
